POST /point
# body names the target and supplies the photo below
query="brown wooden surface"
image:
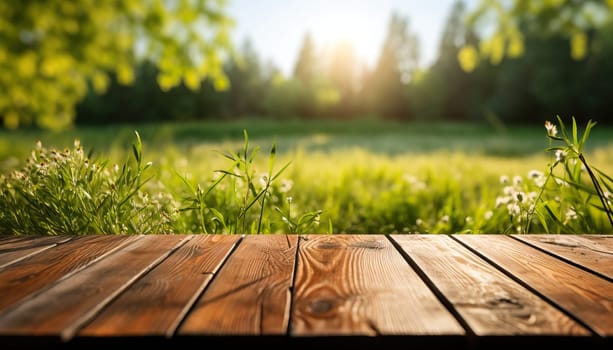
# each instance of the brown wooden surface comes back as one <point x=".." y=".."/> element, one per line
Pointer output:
<point x="489" y="301"/>
<point x="308" y="291"/>
<point x="67" y="305"/>
<point x="360" y="284"/>
<point x="594" y="253"/>
<point x="156" y="303"/>
<point x="587" y="297"/>
<point x="18" y="248"/>
<point x="34" y="273"/>
<point x="253" y="297"/>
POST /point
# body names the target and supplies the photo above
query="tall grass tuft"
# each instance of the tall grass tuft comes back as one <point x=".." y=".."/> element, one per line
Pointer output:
<point x="572" y="196"/>
<point x="240" y="199"/>
<point x="69" y="192"/>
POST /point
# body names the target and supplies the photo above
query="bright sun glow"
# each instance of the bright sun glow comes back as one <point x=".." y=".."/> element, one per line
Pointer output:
<point x="337" y="22"/>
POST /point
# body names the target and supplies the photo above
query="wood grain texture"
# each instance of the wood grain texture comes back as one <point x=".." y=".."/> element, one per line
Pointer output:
<point x="37" y="271"/>
<point x="156" y="303"/>
<point x="586" y="296"/>
<point x="361" y="285"/>
<point x="490" y="302"/>
<point x="250" y="295"/>
<point x="593" y="252"/>
<point x="18" y="248"/>
<point x="64" y="307"/>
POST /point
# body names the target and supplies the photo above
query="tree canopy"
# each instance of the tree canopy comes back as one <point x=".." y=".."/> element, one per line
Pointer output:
<point x="503" y="25"/>
<point x="52" y="51"/>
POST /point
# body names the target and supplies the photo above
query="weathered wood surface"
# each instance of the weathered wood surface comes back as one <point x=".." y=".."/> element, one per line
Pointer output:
<point x="307" y="291"/>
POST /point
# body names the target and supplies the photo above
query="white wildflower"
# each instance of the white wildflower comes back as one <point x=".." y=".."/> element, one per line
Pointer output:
<point x="263" y="180"/>
<point x="508" y="190"/>
<point x="532" y="195"/>
<point x="540" y="181"/>
<point x="571" y="214"/>
<point x="538" y="177"/>
<point x="513" y="209"/>
<point x="504" y="179"/>
<point x="520" y="197"/>
<point x="517" y="180"/>
<point x="552" y="130"/>
<point x="502" y="200"/>
<point x="445" y="219"/>
<point x="419" y="222"/>
<point x="488" y="215"/>
<point x="560" y="155"/>
<point x="533" y="174"/>
<point x="286" y="185"/>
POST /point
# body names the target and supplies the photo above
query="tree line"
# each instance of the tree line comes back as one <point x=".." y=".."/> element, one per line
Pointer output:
<point x="542" y="82"/>
<point x="534" y="61"/>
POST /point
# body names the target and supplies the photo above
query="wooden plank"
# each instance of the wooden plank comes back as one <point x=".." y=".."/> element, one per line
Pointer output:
<point x="156" y="303"/>
<point x="587" y="297"/>
<point x="40" y="270"/>
<point x="593" y="252"/>
<point x="64" y="307"/>
<point x="251" y="293"/>
<point x="17" y="249"/>
<point x="360" y="285"/>
<point x="5" y="238"/>
<point x="490" y="302"/>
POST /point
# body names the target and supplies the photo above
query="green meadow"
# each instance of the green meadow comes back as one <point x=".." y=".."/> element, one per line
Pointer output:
<point x="261" y="176"/>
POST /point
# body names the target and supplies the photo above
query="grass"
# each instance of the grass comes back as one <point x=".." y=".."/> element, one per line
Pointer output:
<point x="319" y="177"/>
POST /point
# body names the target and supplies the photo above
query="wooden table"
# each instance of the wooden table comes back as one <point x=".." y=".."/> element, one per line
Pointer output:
<point x="306" y="291"/>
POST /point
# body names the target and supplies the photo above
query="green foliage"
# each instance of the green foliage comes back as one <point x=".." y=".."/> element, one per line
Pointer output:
<point x="51" y="51"/>
<point x="571" y="157"/>
<point x="505" y="23"/>
<point x="68" y="192"/>
<point x="564" y="199"/>
<point x="399" y="178"/>
<point x="244" y="198"/>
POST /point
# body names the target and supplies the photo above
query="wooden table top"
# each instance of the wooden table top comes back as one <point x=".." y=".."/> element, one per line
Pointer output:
<point x="306" y="291"/>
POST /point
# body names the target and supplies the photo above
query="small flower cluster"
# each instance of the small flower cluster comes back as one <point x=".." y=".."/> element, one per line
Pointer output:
<point x="66" y="192"/>
<point x="518" y="196"/>
<point x="562" y="200"/>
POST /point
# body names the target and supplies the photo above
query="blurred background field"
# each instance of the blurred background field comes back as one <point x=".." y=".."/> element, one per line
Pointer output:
<point x="379" y="137"/>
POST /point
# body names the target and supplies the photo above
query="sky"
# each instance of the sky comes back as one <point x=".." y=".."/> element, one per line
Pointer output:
<point x="276" y="28"/>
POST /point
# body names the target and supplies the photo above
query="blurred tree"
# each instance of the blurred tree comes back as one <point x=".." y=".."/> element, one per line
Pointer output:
<point x="247" y="80"/>
<point x="284" y="98"/>
<point x="503" y="25"/>
<point x="306" y="68"/>
<point x="596" y="77"/>
<point x="343" y="75"/>
<point x="307" y="73"/>
<point x="50" y="51"/>
<point x="398" y="60"/>
<point x="136" y="102"/>
<point x="547" y="81"/>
